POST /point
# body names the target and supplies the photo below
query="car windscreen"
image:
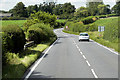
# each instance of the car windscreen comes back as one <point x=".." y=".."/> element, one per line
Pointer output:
<point x="83" y="34"/>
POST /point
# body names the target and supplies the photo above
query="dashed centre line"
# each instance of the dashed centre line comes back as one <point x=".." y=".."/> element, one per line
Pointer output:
<point x="94" y="73"/>
<point x="92" y="70"/>
<point x="88" y="63"/>
<point x="84" y="57"/>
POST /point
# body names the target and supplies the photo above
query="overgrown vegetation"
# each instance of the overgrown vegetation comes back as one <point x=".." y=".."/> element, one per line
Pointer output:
<point x="39" y="30"/>
<point x="18" y="63"/>
<point x="80" y="27"/>
<point x="108" y="38"/>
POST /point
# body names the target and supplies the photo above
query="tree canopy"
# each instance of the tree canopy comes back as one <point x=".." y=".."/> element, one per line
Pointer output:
<point x="19" y="10"/>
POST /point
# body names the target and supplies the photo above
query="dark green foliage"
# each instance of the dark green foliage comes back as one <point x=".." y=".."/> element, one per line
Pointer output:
<point x="79" y="27"/>
<point x="116" y="8"/>
<point x="41" y="17"/>
<point x="35" y="34"/>
<point x="111" y="15"/>
<point x="64" y="11"/>
<point x="111" y="31"/>
<point x="92" y="7"/>
<point x="81" y="12"/>
<point x="40" y="32"/>
<point x="88" y="20"/>
<point x="19" y="10"/>
<point x="13" y="38"/>
<point x="102" y="16"/>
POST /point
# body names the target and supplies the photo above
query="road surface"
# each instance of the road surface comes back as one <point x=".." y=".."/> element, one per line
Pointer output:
<point x="69" y="58"/>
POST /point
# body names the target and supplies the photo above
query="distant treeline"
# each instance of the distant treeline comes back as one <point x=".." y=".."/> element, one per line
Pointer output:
<point x="66" y="10"/>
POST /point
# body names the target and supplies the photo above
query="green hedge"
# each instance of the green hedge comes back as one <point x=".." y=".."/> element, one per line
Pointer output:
<point x="111" y="15"/>
<point x="80" y="27"/>
<point x="88" y="20"/>
<point x="102" y="16"/>
<point x="13" y="38"/>
<point x="40" y="32"/>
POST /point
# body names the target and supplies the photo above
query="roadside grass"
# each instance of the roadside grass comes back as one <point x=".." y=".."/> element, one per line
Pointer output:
<point x="18" y="63"/>
<point x="70" y="32"/>
<point x="98" y="38"/>
<point x="105" y="21"/>
<point x="9" y="22"/>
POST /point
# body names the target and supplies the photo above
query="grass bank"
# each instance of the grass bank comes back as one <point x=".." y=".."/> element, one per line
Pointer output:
<point x="95" y="36"/>
<point x="18" y="63"/>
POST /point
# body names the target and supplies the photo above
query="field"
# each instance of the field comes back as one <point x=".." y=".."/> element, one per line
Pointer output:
<point x="17" y="22"/>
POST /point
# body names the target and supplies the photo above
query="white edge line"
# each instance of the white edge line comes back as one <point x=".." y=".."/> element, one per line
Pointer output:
<point x="105" y="47"/>
<point x="94" y="73"/>
<point x="88" y="63"/>
<point x="39" y="60"/>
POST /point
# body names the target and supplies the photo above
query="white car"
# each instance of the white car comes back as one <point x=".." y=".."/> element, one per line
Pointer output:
<point x="84" y="36"/>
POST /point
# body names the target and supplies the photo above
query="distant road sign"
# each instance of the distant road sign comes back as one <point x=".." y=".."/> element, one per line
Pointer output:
<point x="101" y="28"/>
<point x="66" y="27"/>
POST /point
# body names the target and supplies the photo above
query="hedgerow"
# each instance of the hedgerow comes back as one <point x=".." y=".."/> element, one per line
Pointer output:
<point x="13" y="38"/>
<point x="39" y="32"/>
<point x="89" y="19"/>
<point x="80" y="27"/>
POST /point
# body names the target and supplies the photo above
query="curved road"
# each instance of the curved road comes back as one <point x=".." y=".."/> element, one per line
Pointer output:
<point x="69" y="58"/>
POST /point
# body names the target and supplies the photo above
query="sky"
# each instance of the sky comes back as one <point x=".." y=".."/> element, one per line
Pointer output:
<point x="9" y="4"/>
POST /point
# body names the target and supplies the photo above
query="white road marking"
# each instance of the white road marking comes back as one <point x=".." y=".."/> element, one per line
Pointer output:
<point x="33" y="68"/>
<point x="88" y="63"/>
<point x="79" y="49"/>
<point x="94" y="73"/>
<point x="81" y="53"/>
<point x="105" y="47"/>
<point x="77" y="46"/>
<point x="84" y="57"/>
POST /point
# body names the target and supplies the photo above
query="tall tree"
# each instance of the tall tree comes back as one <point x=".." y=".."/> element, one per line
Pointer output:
<point x="81" y="12"/>
<point x="19" y="10"/>
<point x="92" y="7"/>
<point x="103" y="9"/>
<point x="116" y="8"/>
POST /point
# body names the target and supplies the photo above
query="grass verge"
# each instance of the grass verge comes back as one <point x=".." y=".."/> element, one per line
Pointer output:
<point x="18" y="63"/>
<point x="98" y="38"/>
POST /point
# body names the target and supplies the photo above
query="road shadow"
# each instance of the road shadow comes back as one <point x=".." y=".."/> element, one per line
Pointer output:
<point x="63" y="37"/>
<point x="85" y="41"/>
<point x="38" y="75"/>
<point x="57" y="43"/>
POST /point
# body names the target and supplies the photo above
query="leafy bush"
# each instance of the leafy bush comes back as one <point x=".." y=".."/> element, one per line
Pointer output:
<point x="40" y="17"/>
<point x="59" y="24"/>
<point x="35" y="34"/>
<point x="88" y="20"/>
<point x="80" y="27"/>
<point x="13" y="38"/>
<point x="111" y="15"/>
<point x="40" y="32"/>
<point x="102" y="16"/>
